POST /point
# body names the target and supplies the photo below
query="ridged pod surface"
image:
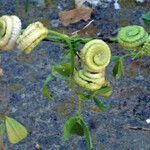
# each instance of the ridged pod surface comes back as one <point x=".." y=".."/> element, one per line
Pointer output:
<point x="132" y="37"/>
<point x="10" y="29"/>
<point x="31" y="37"/>
<point x="146" y="47"/>
<point x="95" y="57"/>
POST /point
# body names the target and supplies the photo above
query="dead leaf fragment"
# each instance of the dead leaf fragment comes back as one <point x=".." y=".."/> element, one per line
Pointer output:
<point x="75" y="15"/>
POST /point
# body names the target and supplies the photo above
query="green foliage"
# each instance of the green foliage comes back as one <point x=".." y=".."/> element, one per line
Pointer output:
<point x="146" y="18"/>
<point x="115" y="58"/>
<point x="45" y="91"/>
<point x="76" y="126"/>
<point x="118" y="69"/>
<point x="99" y="104"/>
<point x="105" y="91"/>
<point x="73" y="126"/>
<point x="87" y="134"/>
<point x="64" y="69"/>
<point x="16" y="132"/>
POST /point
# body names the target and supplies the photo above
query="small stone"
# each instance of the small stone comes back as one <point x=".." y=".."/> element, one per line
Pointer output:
<point x="148" y="121"/>
<point x="55" y="23"/>
<point x="13" y="110"/>
<point x="140" y="78"/>
<point x="23" y="96"/>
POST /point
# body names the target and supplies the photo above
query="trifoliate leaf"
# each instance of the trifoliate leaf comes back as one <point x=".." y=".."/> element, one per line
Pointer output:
<point x="15" y="131"/>
<point x="99" y="104"/>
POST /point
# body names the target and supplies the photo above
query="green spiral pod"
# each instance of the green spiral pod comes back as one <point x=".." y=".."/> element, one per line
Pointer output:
<point x="88" y="83"/>
<point x="95" y="55"/>
<point x="132" y="37"/>
<point x="94" y="75"/>
<point x="146" y="47"/>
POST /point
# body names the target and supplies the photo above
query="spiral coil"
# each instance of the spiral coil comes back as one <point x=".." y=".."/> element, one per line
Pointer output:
<point x="132" y="37"/>
<point x="95" y="56"/>
<point x="10" y="29"/>
<point x="31" y="37"/>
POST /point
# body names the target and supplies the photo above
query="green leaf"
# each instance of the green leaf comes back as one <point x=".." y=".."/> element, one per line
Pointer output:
<point x="76" y="126"/>
<point x="146" y="18"/>
<point x="118" y="69"/>
<point x="63" y="69"/>
<point x="83" y="96"/>
<point x="2" y="127"/>
<point x="46" y="93"/>
<point x="105" y="91"/>
<point x="45" y="90"/>
<point x="87" y="134"/>
<point x="72" y="126"/>
<point x="115" y="58"/>
<point x="16" y="132"/>
<point x="99" y="104"/>
<point x="113" y="39"/>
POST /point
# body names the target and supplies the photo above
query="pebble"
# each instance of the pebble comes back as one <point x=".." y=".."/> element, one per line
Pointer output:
<point x="148" y="121"/>
<point x="55" y="23"/>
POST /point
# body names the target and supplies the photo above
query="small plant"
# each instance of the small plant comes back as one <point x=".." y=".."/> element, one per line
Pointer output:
<point x="82" y="69"/>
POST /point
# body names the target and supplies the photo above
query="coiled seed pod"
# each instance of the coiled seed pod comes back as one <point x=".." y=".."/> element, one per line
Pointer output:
<point x="146" y="47"/>
<point x="31" y="37"/>
<point x="94" y="75"/>
<point x="10" y="29"/>
<point x="132" y="37"/>
<point x="88" y="83"/>
<point x="95" y="55"/>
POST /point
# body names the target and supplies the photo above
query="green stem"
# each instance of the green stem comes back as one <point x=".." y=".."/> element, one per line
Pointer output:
<point x="26" y="5"/>
<point x="71" y="56"/>
<point x="66" y="39"/>
<point x="129" y="55"/>
<point x="60" y="35"/>
<point x="54" y="39"/>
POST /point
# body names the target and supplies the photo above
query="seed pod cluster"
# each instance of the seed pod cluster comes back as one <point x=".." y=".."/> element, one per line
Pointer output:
<point x="95" y="56"/>
<point x="10" y="34"/>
